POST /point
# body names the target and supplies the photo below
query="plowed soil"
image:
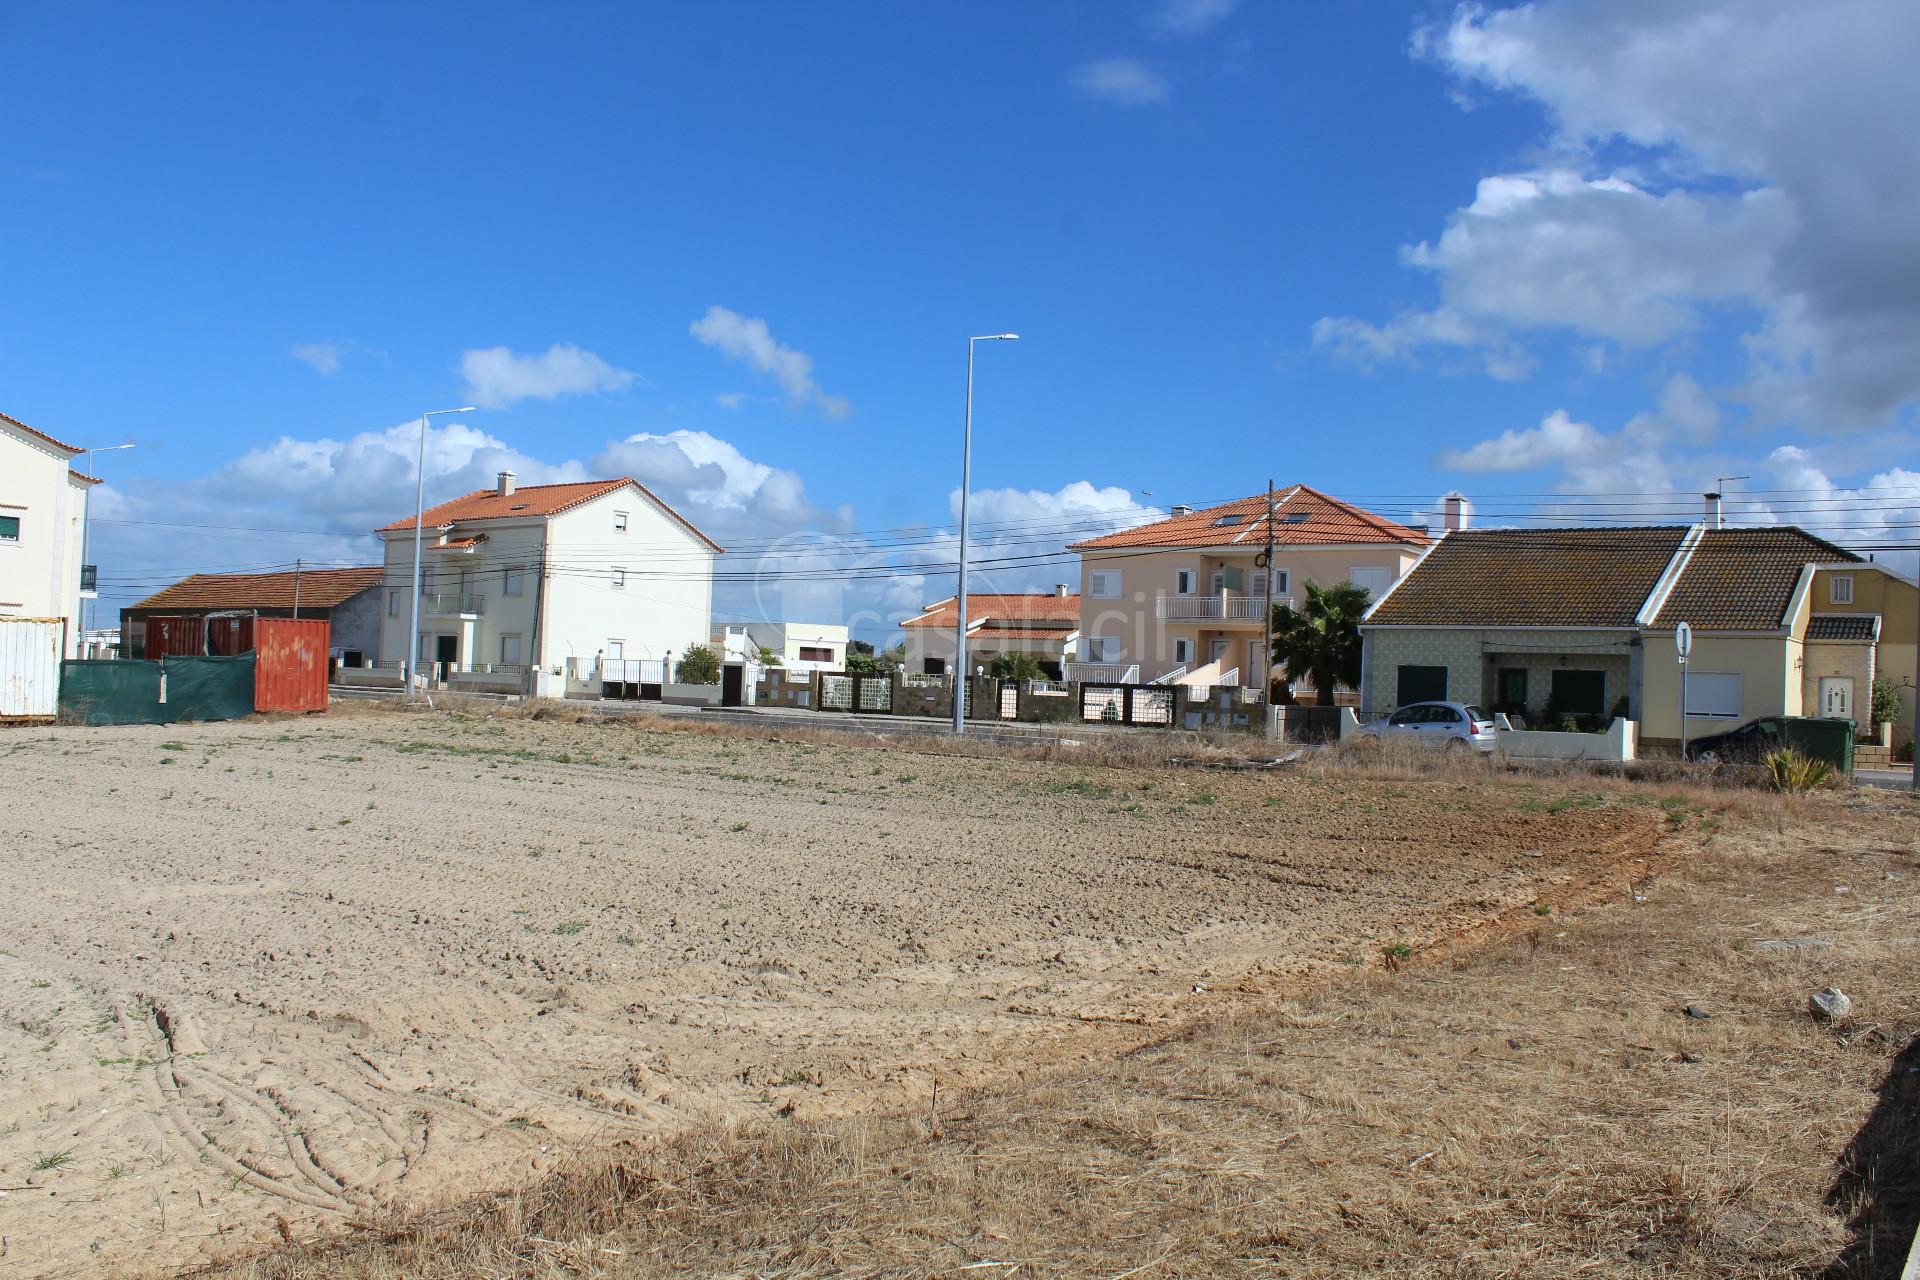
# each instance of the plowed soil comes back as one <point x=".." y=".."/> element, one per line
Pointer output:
<point x="260" y="978"/>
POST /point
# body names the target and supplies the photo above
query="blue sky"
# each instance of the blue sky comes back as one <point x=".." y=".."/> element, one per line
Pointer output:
<point x="1386" y="249"/>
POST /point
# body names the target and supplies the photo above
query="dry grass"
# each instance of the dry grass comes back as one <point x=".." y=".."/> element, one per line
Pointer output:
<point x="1538" y="1107"/>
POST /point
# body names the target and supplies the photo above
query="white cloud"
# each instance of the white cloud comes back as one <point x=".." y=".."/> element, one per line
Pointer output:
<point x="1774" y="170"/>
<point x="749" y="341"/>
<point x="1189" y="17"/>
<point x="497" y="377"/>
<point x="323" y="356"/>
<point x="1126" y="81"/>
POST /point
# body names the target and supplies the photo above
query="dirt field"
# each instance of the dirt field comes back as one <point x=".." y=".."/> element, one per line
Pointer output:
<point x="265" y="978"/>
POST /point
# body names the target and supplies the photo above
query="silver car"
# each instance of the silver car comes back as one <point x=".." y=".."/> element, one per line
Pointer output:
<point x="1455" y="725"/>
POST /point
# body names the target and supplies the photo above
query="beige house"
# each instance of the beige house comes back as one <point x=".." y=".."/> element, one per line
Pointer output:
<point x="1850" y="600"/>
<point x="1188" y="597"/>
<point x="1549" y="623"/>
<point x="1044" y="624"/>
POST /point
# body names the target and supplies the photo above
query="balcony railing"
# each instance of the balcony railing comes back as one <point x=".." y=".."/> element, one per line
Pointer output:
<point x="89" y="577"/>
<point x="452" y="604"/>
<point x="1224" y="606"/>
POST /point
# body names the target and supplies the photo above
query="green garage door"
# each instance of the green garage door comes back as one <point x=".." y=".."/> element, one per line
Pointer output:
<point x="1422" y="684"/>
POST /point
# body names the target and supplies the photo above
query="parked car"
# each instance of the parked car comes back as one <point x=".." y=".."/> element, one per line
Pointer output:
<point x="1442" y="724"/>
<point x="1823" y="737"/>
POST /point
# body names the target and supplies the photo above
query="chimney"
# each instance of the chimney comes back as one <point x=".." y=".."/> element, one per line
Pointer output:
<point x="1182" y="509"/>
<point x="504" y="485"/>
<point x="1714" y="518"/>
<point x="1060" y="590"/>
<point x="1459" y="512"/>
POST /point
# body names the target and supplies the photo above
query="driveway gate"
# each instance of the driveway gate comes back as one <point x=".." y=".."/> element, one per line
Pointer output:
<point x="1146" y="704"/>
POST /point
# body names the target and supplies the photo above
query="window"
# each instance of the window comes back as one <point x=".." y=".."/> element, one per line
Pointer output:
<point x="1104" y="584"/>
<point x="1184" y="581"/>
<point x="619" y="522"/>
<point x="1219" y="581"/>
<point x="619" y="578"/>
<point x="1840" y="588"/>
<point x="510" y="650"/>
<point x="1103" y="648"/>
<point x="1296" y="517"/>
<point x="1421" y="684"/>
<point x="1183" y="651"/>
<point x="1581" y="693"/>
<point x="815" y="653"/>
<point x="1227" y="521"/>
<point x="510" y="581"/>
<point x="393" y="603"/>
<point x="1373" y="579"/>
<point x="1282" y="582"/>
<point x="9" y="529"/>
<point x="616" y="648"/>
<point x="1713" y="695"/>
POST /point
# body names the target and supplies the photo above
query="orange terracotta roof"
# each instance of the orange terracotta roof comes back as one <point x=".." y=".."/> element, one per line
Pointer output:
<point x="319" y="589"/>
<point x="462" y="544"/>
<point x="58" y="444"/>
<point x="534" y="500"/>
<point x="84" y="479"/>
<point x="1303" y="516"/>
<point x="1042" y="607"/>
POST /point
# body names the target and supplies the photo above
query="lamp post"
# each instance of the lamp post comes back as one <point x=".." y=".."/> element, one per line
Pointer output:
<point x="86" y="523"/>
<point x="966" y="482"/>
<point x="419" y="512"/>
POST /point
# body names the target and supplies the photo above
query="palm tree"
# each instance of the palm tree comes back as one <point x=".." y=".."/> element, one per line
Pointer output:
<point x="1321" y="642"/>
<point x="1015" y="666"/>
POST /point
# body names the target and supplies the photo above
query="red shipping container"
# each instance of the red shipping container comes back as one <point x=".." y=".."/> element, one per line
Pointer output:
<point x="176" y="637"/>
<point x="229" y="637"/>
<point x="290" y="664"/>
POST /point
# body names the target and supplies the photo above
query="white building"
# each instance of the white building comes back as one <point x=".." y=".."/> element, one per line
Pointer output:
<point x="43" y="511"/>
<point x="801" y="646"/>
<point x="515" y="577"/>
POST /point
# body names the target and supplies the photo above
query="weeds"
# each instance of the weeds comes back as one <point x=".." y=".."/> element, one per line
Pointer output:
<point x="1795" y="774"/>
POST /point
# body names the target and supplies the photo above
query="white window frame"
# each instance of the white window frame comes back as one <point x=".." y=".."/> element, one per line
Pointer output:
<point x="512" y="581"/>
<point x="1282" y="582"/>
<point x="393" y="601"/>
<point x="616" y="648"/>
<point x="1840" y="588"/>
<point x="1707" y="695"/>
<point x="619" y="578"/>
<point x="1218" y="581"/>
<point x="619" y="522"/>
<point x="1379" y="571"/>
<point x="1185" y="581"/>
<point x="19" y="517"/>
<point x="1182" y="650"/>
<point x="1103" y="648"/>
<point x="1107" y="578"/>
<point x="514" y="660"/>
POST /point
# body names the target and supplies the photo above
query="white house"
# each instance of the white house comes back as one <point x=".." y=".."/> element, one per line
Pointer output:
<point x="43" y="511"/>
<point x="532" y="577"/>
<point x="801" y="646"/>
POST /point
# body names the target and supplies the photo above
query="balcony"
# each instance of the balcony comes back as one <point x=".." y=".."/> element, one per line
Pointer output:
<point x="89" y="580"/>
<point x="1224" y="606"/>
<point x="453" y="605"/>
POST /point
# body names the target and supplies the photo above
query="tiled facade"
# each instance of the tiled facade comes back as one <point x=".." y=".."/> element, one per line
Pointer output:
<point x="1474" y="658"/>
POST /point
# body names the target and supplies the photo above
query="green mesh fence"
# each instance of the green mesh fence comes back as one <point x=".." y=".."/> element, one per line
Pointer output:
<point x="111" y="692"/>
<point x="209" y="688"/>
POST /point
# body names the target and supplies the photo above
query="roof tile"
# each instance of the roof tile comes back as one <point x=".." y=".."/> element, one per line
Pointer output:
<point x="1743" y="579"/>
<point x="1303" y="516"/>
<point x="319" y="589"/>
<point x="1533" y="578"/>
<point x="534" y="500"/>
<point x="1042" y="607"/>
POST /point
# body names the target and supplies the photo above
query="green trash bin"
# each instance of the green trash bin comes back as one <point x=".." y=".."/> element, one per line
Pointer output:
<point x="1828" y="738"/>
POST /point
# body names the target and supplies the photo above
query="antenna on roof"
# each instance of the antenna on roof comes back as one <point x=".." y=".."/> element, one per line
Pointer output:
<point x="1714" y="510"/>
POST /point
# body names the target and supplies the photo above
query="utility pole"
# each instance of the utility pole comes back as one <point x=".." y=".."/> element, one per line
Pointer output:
<point x="296" y="589"/>
<point x="1266" y="673"/>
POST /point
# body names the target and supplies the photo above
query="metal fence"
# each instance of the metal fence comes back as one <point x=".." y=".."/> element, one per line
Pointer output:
<point x="1127" y="704"/>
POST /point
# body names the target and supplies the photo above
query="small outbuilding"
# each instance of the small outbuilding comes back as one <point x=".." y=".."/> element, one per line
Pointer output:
<point x="348" y="599"/>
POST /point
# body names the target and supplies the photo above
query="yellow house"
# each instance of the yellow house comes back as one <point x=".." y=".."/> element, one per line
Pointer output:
<point x="1188" y="597"/>
<point x="1551" y="623"/>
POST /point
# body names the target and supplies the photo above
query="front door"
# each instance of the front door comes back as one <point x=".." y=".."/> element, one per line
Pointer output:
<point x="731" y="677"/>
<point x="1218" y="651"/>
<point x="1513" y="689"/>
<point x="1836" y="696"/>
<point x="446" y="652"/>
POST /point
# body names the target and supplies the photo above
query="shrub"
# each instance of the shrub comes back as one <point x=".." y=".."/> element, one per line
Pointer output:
<point x="1795" y="774"/>
<point x="1015" y="666"/>
<point x="1886" y="702"/>
<point x="698" y="665"/>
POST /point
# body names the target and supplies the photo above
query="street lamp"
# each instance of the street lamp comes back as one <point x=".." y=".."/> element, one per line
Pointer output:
<point x="966" y="482"/>
<point x="86" y="522"/>
<point x="419" y="512"/>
